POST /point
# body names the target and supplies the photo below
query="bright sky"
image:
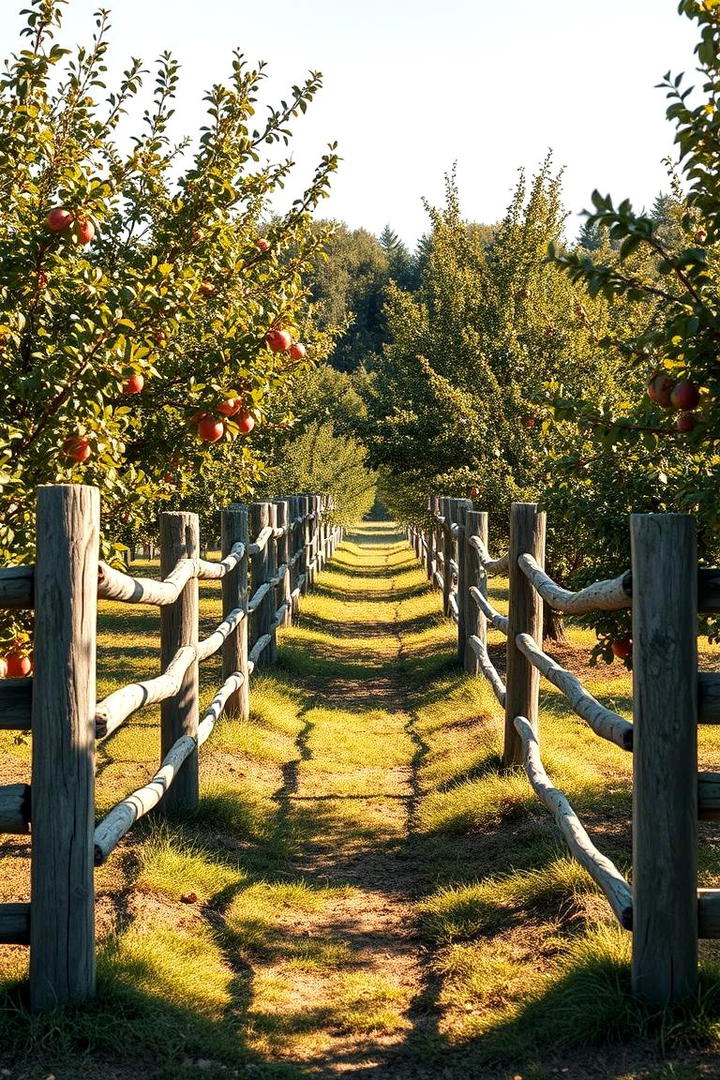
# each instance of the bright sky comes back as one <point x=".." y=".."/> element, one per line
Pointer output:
<point x="410" y="86"/>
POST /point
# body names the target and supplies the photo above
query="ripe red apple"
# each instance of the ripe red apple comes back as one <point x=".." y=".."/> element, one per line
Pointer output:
<point x="230" y="406"/>
<point x="700" y="236"/>
<point x="168" y="478"/>
<point x="622" y="647"/>
<point x="77" y="448"/>
<point x="685" y="395"/>
<point x="42" y="280"/>
<point x="474" y="493"/>
<point x="58" y="219"/>
<point x="134" y="384"/>
<point x="660" y="388"/>
<point x="263" y="245"/>
<point x="298" y="350"/>
<point x="18" y="666"/>
<point x="246" y="422"/>
<point x="84" y="230"/>
<point x="206" y="288"/>
<point x="210" y="429"/>
<point x="686" y="422"/>
<point x="3" y="667"/>
<point x="160" y="337"/>
<point x="529" y="421"/>
<point x="278" y="340"/>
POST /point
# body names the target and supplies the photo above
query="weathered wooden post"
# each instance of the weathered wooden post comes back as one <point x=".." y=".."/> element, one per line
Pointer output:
<point x="476" y="524"/>
<point x="234" y="530"/>
<point x="430" y="543"/>
<point x="462" y="507"/>
<point x="306" y="534"/>
<point x="296" y="510"/>
<point x="525" y="616"/>
<point x="284" y="549"/>
<point x="448" y="545"/>
<point x="665" y="808"/>
<point x="179" y="715"/>
<point x="262" y="618"/>
<point x="272" y="568"/>
<point x="62" y="922"/>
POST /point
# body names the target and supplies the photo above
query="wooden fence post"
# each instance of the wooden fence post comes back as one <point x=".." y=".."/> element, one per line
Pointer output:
<point x="464" y="601"/>
<point x="264" y="613"/>
<point x="234" y="530"/>
<point x="284" y="550"/>
<point x="448" y="545"/>
<point x="62" y="922"/>
<point x="272" y="569"/>
<point x="665" y="809"/>
<point x="295" y="546"/>
<point x="430" y="542"/>
<point x="525" y="616"/>
<point x="179" y="715"/>
<point x="305" y="534"/>
<point x="476" y="524"/>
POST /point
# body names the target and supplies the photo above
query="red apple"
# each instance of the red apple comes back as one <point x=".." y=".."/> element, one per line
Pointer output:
<point x="58" y="219"/>
<point x="168" y="478"/>
<point x="622" y="647"/>
<point x="230" y="406"/>
<point x="298" y="350"/>
<point x="474" y="493"/>
<point x="263" y="245"/>
<point x="700" y="236"/>
<point x="210" y="429"/>
<point x="42" y="280"/>
<point x="3" y="667"/>
<point x="84" y="230"/>
<point x="278" y="340"/>
<point x="685" y="395"/>
<point x="529" y="421"/>
<point x="660" y="388"/>
<point x="18" y="666"/>
<point x="160" y="337"/>
<point x="686" y="422"/>
<point x="77" y="448"/>
<point x="246" y="422"/>
<point x="206" y="288"/>
<point x="134" y="384"/>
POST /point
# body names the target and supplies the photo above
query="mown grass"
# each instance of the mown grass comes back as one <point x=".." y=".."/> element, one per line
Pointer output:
<point x="361" y="890"/>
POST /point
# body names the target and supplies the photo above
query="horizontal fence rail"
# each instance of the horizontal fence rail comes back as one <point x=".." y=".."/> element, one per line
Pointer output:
<point x="262" y="578"/>
<point x="665" y="589"/>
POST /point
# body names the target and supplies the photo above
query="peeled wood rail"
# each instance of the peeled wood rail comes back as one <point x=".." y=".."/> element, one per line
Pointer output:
<point x="64" y="585"/>
<point x="603" y="872"/>
<point x="665" y="590"/>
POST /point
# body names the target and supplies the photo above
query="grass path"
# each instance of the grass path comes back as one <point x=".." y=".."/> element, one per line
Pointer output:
<point x="362" y="892"/>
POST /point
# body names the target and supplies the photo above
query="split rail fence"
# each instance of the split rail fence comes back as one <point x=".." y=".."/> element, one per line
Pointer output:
<point x="271" y="553"/>
<point x="666" y="590"/>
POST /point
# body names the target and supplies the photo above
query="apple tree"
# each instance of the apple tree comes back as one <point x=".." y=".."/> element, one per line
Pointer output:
<point x="151" y="305"/>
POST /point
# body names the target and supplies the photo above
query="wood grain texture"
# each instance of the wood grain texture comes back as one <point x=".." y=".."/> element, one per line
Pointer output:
<point x="235" y="529"/>
<point x="263" y="613"/>
<point x="15" y="704"/>
<point x="17" y="588"/>
<point x="665" y="798"/>
<point x="525" y="616"/>
<point x="62" y="953"/>
<point x="180" y="539"/>
<point x="14" y="924"/>
<point x="15" y="808"/>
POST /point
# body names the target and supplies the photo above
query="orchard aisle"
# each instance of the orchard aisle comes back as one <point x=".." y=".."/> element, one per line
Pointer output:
<point x="346" y="992"/>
